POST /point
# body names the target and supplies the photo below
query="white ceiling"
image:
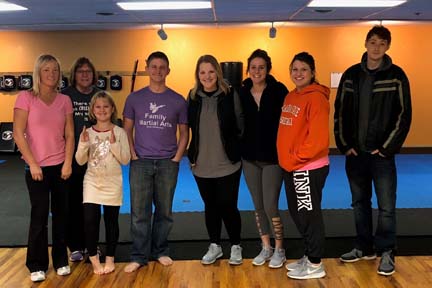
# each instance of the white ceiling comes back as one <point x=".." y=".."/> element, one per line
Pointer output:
<point x="83" y="14"/>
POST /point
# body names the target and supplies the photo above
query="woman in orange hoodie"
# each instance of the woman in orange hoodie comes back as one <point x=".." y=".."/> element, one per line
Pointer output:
<point x="302" y="146"/>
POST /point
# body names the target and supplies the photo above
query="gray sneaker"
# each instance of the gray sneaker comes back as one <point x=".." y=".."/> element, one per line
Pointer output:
<point x="76" y="256"/>
<point x="387" y="264"/>
<point x="278" y="258"/>
<point x="308" y="271"/>
<point x="236" y="255"/>
<point x="263" y="256"/>
<point x="214" y="252"/>
<point x="297" y="264"/>
<point x="356" y="255"/>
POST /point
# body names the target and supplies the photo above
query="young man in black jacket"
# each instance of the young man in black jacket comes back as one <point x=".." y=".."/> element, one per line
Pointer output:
<point x="371" y="121"/>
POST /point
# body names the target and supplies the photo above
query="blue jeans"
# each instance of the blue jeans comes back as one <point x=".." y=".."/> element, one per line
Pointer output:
<point x="363" y="171"/>
<point x="151" y="182"/>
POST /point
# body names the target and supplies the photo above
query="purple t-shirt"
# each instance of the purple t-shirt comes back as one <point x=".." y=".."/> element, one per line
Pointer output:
<point x="156" y="116"/>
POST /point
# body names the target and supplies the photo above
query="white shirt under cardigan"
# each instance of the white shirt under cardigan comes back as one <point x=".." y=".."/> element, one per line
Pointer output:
<point x="103" y="181"/>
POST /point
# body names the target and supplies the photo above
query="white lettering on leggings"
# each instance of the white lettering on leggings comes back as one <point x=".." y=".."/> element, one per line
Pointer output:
<point x="302" y="188"/>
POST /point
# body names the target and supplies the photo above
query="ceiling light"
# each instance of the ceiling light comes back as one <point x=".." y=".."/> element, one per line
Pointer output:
<point x="172" y="5"/>
<point x="357" y="3"/>
<point x="272" y="32"/>
<point x="162" y="34"/>
<point x="6" y="6"/>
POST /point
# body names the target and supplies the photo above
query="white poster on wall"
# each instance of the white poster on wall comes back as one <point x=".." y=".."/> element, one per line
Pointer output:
<point x="335" y="79"/>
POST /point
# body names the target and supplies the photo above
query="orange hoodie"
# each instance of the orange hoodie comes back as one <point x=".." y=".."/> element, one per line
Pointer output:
<point x="303" y="134"/>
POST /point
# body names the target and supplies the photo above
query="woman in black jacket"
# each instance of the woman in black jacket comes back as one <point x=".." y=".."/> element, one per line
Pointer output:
<point x="262" y="97"/>
<point x="215" y="119"/>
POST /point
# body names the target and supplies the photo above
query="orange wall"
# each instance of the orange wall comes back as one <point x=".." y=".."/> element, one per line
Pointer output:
<point x="335" y="48"/>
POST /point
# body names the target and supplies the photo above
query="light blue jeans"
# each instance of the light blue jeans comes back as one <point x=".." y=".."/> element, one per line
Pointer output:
<point x="151" y="182"/>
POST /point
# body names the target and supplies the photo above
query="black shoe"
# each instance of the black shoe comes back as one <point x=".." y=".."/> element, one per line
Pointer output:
<point x="356" y="255"/>
<point x="387" y="264"/>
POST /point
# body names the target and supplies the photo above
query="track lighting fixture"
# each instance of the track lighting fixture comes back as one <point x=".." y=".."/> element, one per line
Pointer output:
<point x="162" y="34"/>
<point x="272" y="32"/>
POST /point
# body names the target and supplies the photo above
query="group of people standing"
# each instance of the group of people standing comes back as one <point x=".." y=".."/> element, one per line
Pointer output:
<point x="272" y="135"/>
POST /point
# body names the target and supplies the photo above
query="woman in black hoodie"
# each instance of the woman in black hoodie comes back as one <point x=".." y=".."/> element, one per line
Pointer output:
<point x="262" y="97"/>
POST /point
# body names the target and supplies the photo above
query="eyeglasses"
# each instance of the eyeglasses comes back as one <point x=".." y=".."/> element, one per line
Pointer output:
<point x="84" y="71"/>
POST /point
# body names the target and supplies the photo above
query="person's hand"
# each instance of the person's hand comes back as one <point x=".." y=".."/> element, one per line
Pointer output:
<point x="112" y="137"/>
<point x="376" y="151"/>
<point x="174" y="159"/>
<point x="66" y="171"/>
<point x="84" y="136"/>
<point x="351" y="152"/>
<point x="36" y="172"/>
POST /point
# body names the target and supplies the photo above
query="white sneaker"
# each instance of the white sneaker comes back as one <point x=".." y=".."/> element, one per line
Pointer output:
<point x="63" y="271"/>
<point x="37" y="276"/>
<point x="214" y="252"/>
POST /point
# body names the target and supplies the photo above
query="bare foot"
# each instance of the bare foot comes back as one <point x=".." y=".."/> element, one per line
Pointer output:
<point x="97" y="267"/>
<point x="131" y="267"/>
<point x="165" y="260"/>
<point x="109" y="265"/>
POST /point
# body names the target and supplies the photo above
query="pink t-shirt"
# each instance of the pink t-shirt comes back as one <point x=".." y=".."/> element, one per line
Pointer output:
<point x="324" y="161"/>
<point x="45" y="126"/>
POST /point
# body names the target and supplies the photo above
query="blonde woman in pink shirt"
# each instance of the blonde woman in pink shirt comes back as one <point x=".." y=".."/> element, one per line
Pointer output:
<point x="43" y="132"/>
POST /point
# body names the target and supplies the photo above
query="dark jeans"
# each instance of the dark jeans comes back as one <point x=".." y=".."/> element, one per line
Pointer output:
<point x="75" y="239"/>
<point x="363" y="171"/>
<point x="220" y="196"/>
<point x="39" y="192"/>
<point x="151" y="182"/>
<point x="92" y="216"/>
<point x="304" y="195"/>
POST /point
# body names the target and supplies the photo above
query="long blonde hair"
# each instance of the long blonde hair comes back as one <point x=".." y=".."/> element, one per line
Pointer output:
<point x="40" y="61"/>
<point x="220" y="80"/>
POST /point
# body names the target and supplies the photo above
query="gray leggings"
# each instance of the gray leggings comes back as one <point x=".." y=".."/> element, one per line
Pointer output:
<point x="264" y="181"/>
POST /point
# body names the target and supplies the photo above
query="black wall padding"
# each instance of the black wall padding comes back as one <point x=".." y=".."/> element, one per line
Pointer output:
<point x="233" y="73"/>
<point x="7" y="143"/>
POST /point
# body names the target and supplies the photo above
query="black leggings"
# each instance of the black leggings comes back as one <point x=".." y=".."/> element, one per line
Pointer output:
<point x="304" y="194"/>
<point x="220" y="197"/>
<point x="92" y="216"/>
<point x="75" y="239"/>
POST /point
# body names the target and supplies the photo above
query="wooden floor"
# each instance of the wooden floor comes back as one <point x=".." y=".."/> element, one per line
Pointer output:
<point x="411" y="272"/>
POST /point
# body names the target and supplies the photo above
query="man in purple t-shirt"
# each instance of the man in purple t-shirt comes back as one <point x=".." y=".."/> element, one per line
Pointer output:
<point x="154" y="112"/>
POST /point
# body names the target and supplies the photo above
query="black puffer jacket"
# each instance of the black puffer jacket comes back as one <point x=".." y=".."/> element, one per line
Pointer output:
<point x="389" y="111"/>
<point x="261" y="125"/>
